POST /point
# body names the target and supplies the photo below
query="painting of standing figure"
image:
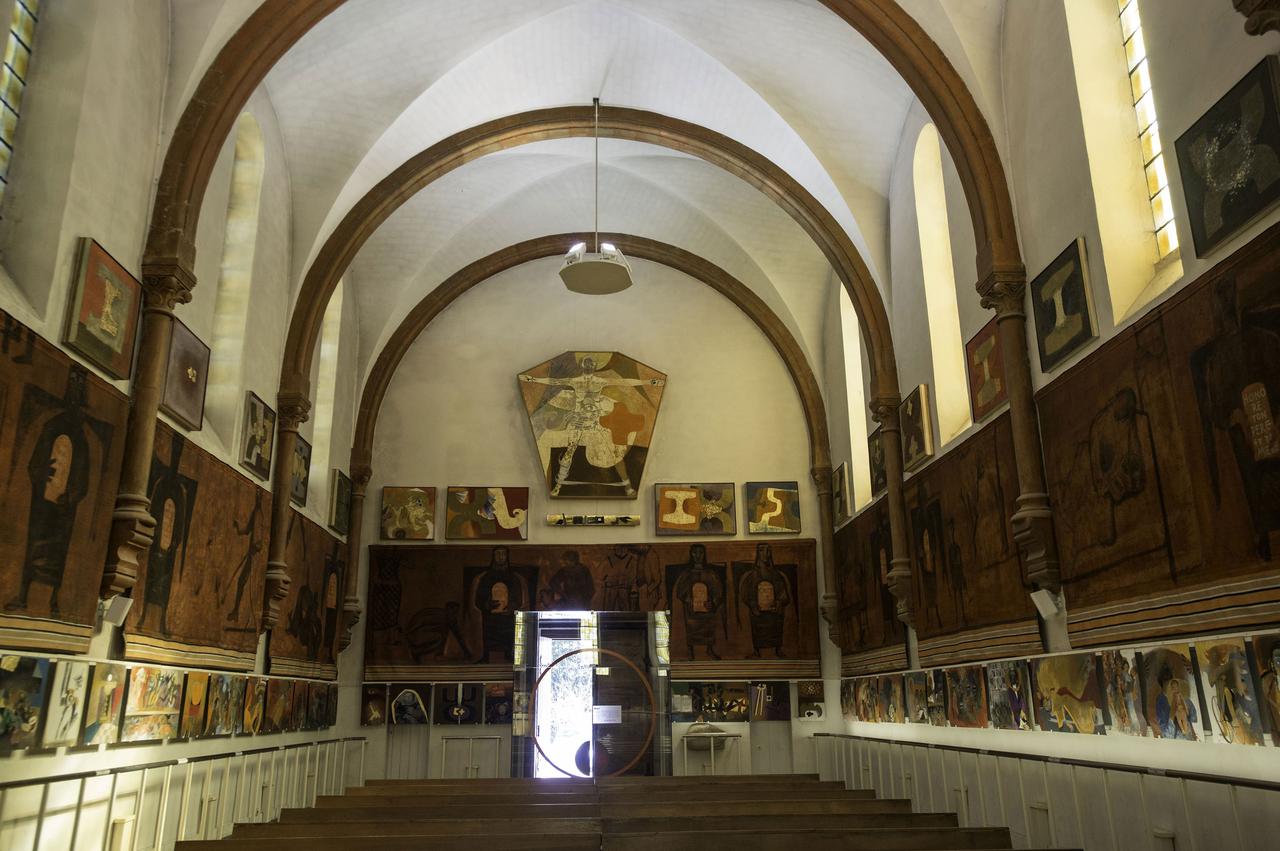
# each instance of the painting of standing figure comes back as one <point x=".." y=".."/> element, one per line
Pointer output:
<point x="1068" y="698"/>
<point x="1228" y="687"/>
<point x="966" y="696"/>
<point x="67" y="695"/>
<point x="917" y="697"/>
<point x="1171" y="697"/>
<point x="106" y="705"/>
<point x="304" y="643"/>
<point x="1266" y="653"/>
<point x="1120" y="686"/>
<point x="195" y="706"/>
<point x="278" y="717"/>
<point x="1009" y="695"/>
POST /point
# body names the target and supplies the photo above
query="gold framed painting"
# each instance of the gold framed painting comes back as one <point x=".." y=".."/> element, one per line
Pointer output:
<point x="408" y="514"/>
<point x="695" y="509"/>
<point x="916" y="423"/>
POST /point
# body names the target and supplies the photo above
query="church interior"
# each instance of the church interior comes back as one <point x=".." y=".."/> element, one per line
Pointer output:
<point x="333" y="359"/>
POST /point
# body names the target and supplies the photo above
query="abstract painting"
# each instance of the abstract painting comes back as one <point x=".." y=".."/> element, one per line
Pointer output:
<point x="867" y="610"/>
<point x="498" y="702"/>
<point x="1122" y="691"/>
<point x="1067" y="696"/>
<point x="486" y="514"/>
<point x="226" y="697"/>
<point x="333" y="704"/>
<point x="593" y="415"/>
<point x="1266" y="652"/>
<point x="67" y="694"/>
<point x="339" y="501"/>
<point x="695" y="509"/>
<point x="408" y="514"/>
<point x="917" y="697"/>
<point x="772" y="507"/>
<point x="186" y="378"/>
<point x="984" y="360"/>
<point x="154" y="705"/>
<point x="318" y="706"/>
<point x="298" y="714"/>
<point x="966" y="696"/>
<point x="770" y="701"/>
<point x="1230" y="159"/>
<point x="373" y="705"/>
<point x="305" y="643"/>
<point x="24" y="690"/>
<point x="300" y="474"/>
<point x="195" y="706"/>
<point x="841" y="495"/>
<point x="255" y="704"/>
<point x="1171" y="698"/>
<point x="892" y="706"/>
<point x="410" y="703"/>
<point x="875" y="460"/>
<point x="106" y="704"/>
<point x="458" y="703"/>
<point x="810" y="699"/>
<point x="257" y="436"/>
<point x="849" y="700"/>
<point x="1061" y="304"/>
<point x="916" y="421"/>
<point x="278" y="717"/>
<point x="937" y="698"/>
<point x="102" y="320"/>
<point x="1228" y="687"/>
<point x="867" y="697"/>
<point x="1009" y="695"/>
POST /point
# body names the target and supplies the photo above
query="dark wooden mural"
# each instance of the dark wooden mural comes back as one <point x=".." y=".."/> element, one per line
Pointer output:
<point x="200" y="587"/>
<point x="965" y="569"/>
<point x="61" y="444"/>
<point x="867" y="610"/>
<point x="439" y="611"/>
<point x="1163" y="449"/>
<point x="305" y="639"/>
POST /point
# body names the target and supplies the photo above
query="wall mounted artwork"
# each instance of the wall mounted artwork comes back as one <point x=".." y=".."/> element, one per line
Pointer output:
<point x="841" y="495"/>
<point x="984" y="360"/>
<point x="255" y="703"/>
<point x="892" y="706"/>
<point x="916" y="420"/>
<point x="593" y="416"/>
<point x="105" y="707"/>
<point x="1122" y="693"/>
<point x="24" y="690"/>
<point x="715" y="703"/>
<point x="60" y="451"/>
<point x="486" y="514"/>
<point x="410" y="703"/>
<point x="875" y="460"/>
<point x="866" y="609"/>
<point x="408" y="514"/>
<point x="459" y="703"/>
<point x="339" y="501"/>
<point x="1228" y="689"/>
<point x="278" y="716"/>
<point x="565" y="521"/>
<point x="67" y="694"/>
<point x="867" y="699"/>
<point x="770" y="701"/>
<point x="300" y="473"/>
<point x="298" y="714"/>
<point x="810" y="699"/>
<point x="916" y="694"/>
<point x="695" y="509"/>
<point x="498" y="703"/>
<point x="1230" y="158"/>
<point x="849" y="700"/>
<point x="195" y="706"/>
<point x="103" y="311"/>
<point x="1062" y="306"/>
<point x="1067" y="696"/>
<point x="966" y="696"/>
<point x="1266" y="652"/>
<point x="305" y="641"/>
<point x="317" y="706"/>
<point x="772" y="508"/>
<point x="1170" y="693"/>
<point x="153" y="706"/>
<point x="938" y="705"/>
<point x="373" y="705"/>
<point x="257" y="436"/>
<point x="186" y="378"/>
<point x="1009" y="695"/>
<point x="226" y="698"/>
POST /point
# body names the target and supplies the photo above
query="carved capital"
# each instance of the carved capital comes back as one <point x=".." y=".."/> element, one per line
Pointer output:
<point x="165" y="285"/>
<point x="899" y="582"/>
<point x="1260" y="16"/>
<point x="350" y="617"/>
<point x="132" y="531"/>
<point x="822" y="480"/>
<point x="360" y="475"/>
<point x="1004" y="291"/>
<point x="277" y="589"/>
<point x="292" y="409"/>
<point x="1033" y="533"/>
<point x="884" y="410"/>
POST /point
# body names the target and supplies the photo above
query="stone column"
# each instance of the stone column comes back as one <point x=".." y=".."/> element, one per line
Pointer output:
<point x="827" y="552"/>
<point x="361" y="472"/>
<point x="1260" y="16"/>
<point x="293" y="407"/>
<point x="132" y="526"/>
<point x="884" y="410"/>
<point x="1004" y="290"/>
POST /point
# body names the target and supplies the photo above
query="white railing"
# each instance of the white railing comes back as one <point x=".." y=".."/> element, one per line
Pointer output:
<point x="151" y="807"/>
<point x="1050" y="802"/>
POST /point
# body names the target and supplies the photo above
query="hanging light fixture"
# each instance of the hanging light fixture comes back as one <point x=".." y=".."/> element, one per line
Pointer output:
<point x="604" y="270"/>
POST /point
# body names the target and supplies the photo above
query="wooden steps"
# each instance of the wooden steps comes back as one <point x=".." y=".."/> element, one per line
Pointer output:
<point x="779" y="812"/>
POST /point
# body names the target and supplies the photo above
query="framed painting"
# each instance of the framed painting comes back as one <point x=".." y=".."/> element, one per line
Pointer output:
<point x="497" y="702"/>
<point x="772" y="508"/>
<point x="258" y="436"/>
<point x="278" y="715"/>
<point x="849" y="700"/>
<point x="195" y="706"/>
<point x="810" y="699"/>
<point x="1009" y="695"/>
<point x="186" y="378"/>
<point x="318" y="708"/>
<point x="1062" y="307"/>
<point x="1171" y="696"/>
<point x="1230" y="159"/>
<point x="226" y="697"/>
<point x="486" y="514"/>
<point x="769" y="701"/>
<point x="298" y="714"/>
<point x="339" y="501"/>
<point x="1266" y="653"/>
<point x="1121" y="692"/>
<point x="106" y="704"/>
<point x="373" y="705"/>
<point x="1067" y="694"/>
<point x="1228" y="686"/>
<point x="24" y="689"/>
<point x="67" y="694"/>
<point x="255" y="703"/>
<point x="917" y="697"/>
<point x="841" y="496"/>
<point x="153" y="706"/>
<point x="408" y="514"/>
<point x="966" y="691"/>
<point x="875" y="460"/>
<point x="410" y="703"/>
<point x="300" y="478"/>
<point x="916" y="422"/>
<point x="695" y="509"/>
<point x="102" y="314"/>
<point x="984" y="359"/>
<point x="456" y="703"/>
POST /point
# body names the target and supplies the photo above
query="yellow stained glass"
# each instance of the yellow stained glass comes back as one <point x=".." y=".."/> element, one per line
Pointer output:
<point x="6" y="154"/>
<point x="1135" y="49"/>
<point x="1157" y="179"/>
<point x="1162" y="208"/>
<point x="33" y="6"/>
<point x="23" y="24"/>
<point x="17" y="57"/>
<point x="1167" y="239"/>
<point x="1146" y="109"/>
<point x="1129" y="20"/>
<point x="1151" y="143"/>
<point x="11" y="89"/>
<point x="1140" y="80"/>
<point x="8" y="124"/>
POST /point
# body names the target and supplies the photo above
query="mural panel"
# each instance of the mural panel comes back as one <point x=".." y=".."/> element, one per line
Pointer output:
<point x="867" y="610"/>
<point x="304" y="642"/>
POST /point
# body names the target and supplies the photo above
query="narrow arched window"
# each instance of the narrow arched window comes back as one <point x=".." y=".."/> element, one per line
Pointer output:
<point x="856" y="396"/>
<point x="950" y="384"/>
<point x="235" y="279"/>
<point x="13" y="80"/>
<point x="326" y="393"/>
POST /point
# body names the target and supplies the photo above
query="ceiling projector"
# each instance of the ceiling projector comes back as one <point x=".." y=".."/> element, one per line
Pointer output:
<point x="595" y="273"/>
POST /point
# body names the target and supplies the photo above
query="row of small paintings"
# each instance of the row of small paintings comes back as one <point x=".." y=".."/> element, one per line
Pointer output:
<point x="1224" y="689"/>
<point x="47" y="704"/>
<point x="721" y="702"/>
<point x="455" y="703"/>
<point x="501" y="513"/>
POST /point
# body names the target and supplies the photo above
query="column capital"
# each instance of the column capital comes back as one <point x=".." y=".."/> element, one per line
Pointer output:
<point x="1260" y="16"/>
<point x="822" y="479"/>
<point x="293" y="406"/>
<point x="884" y="410"/>
<point x="1004" y="290"/>
<point x="166" y="285"/>
<point x="350" y="617"/>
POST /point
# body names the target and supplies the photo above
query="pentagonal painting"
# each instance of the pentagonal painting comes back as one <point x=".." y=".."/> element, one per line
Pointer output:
<point x="593" y="415"/>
